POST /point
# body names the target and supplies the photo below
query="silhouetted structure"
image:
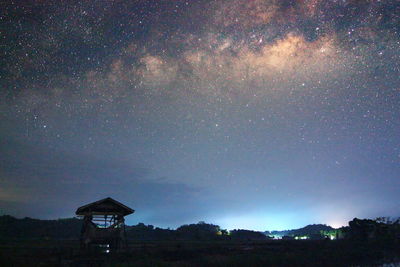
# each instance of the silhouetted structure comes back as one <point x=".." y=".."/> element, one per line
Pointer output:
<point x="104" y="224"/>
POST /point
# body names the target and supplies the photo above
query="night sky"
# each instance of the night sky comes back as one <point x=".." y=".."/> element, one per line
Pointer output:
<point x="257" y="114"/>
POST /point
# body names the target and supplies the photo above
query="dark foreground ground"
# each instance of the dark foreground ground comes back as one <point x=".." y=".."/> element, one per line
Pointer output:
<point x="205" y="253"/>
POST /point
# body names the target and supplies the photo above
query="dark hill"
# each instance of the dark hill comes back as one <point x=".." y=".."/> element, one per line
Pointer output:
<point x="28" y="228"/>
<point x="308" y="230"/>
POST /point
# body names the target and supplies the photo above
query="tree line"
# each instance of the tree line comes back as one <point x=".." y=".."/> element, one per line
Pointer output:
<point x="382" y="228"/>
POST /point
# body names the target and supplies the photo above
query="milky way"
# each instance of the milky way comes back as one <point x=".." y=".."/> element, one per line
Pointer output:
<point x="249" y="114"/>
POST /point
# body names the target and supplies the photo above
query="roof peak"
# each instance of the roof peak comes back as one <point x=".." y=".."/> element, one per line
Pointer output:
<point x="104" y="206"/>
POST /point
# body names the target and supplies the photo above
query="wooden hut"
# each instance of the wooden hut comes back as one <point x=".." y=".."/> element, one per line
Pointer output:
<point x="104" y="224"/>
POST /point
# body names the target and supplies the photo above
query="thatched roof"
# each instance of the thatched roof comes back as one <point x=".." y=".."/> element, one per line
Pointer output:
<point x="106" y="206"/>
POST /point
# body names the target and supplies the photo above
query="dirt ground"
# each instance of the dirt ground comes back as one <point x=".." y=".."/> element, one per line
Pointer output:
<point x="203" y="253"/>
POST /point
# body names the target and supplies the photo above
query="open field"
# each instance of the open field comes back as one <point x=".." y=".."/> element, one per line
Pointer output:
<point x="202" y="253"/>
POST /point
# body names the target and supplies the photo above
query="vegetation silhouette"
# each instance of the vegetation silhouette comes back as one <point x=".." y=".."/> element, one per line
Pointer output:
<point x="32" y="242"/>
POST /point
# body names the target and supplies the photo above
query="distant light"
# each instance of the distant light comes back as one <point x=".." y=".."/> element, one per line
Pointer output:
<point x="107" y="251"/>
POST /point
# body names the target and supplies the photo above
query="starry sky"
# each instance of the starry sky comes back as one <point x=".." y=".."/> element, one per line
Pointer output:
<point x="255" y="114"/>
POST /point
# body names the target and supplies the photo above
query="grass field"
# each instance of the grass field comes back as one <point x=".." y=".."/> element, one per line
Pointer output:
<point x="203" y="253"/>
